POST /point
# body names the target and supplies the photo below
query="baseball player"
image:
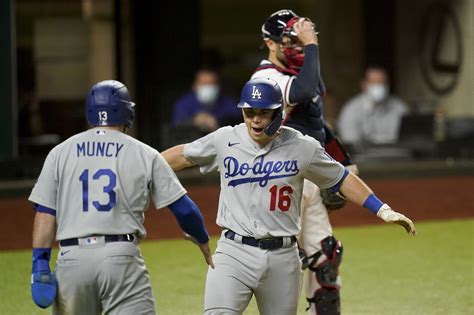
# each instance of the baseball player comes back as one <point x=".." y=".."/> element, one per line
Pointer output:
<point x="262" y="170"/>
<point x="95" y="187"/>
<point x="293" y="61"/>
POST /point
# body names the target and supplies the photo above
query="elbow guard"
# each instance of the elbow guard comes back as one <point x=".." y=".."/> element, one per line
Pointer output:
<point x="190" y="218"/>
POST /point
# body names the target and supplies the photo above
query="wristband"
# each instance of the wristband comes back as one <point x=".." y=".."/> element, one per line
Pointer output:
<point x="373" y="203"/>
<point x="41" y="258"/>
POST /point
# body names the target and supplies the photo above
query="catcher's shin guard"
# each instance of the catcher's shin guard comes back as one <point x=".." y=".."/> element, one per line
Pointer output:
<point x="326" y="301"/>
<point x="326" y="298"/>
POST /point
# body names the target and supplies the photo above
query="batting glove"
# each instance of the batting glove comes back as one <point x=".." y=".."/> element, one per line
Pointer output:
<point x="43" y="282"/>
<point x="388" y="215"/>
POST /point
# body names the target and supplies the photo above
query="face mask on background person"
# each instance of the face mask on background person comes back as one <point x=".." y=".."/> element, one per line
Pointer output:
<point x="207" y="94"/>
<point x="377" y="92"/>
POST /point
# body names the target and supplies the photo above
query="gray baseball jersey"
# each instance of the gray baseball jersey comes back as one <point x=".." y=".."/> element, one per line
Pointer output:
<point x="100" y="182"/>
<point x="313" y="210"/>
<point x="315" y="224"/>
<point x="261" y="188"/>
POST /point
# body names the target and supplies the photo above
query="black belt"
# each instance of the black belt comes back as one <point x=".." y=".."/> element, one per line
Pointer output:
<point x="107" y="239"/>
<point x="263" y="243"/>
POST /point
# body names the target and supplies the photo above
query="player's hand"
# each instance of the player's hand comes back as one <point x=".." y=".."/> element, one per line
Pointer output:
<point x="304" y="28"/>
<point x="43" y="282"/>
<point x="43" y="288"/>
<point x="205" y="250"/>
<point x="388" y="215"/>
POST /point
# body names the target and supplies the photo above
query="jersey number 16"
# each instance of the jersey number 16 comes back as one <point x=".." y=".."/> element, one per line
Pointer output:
<point x="283" y="197"/>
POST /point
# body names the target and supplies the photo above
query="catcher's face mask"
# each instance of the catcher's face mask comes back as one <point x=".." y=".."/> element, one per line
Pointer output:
<point x="293" y="50"/>
<point x="291" y="47"/>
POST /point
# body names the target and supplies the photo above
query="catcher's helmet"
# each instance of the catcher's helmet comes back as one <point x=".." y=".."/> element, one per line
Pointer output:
<point x="279" y="24"/>
<point x="108" y="104"/>
<point x="263" y="93"/>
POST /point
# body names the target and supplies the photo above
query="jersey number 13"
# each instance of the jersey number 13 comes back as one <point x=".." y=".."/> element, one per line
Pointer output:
<point x="108" y="189"/>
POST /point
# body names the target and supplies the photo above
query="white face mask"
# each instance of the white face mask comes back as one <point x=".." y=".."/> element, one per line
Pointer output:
<point x="207" y="93"/>
<point x="377" y="92"/>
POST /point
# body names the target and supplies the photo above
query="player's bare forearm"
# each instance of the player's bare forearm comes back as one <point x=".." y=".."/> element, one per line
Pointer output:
<point x="354" y="189"/>
<point x="176" y="159"/>
<point x="43" y="230"/>
<point x="358" y="192"/>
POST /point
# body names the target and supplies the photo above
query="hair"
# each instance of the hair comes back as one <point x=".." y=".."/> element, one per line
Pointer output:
<point x="376" y="67"/>
<point x="207" y="69"/>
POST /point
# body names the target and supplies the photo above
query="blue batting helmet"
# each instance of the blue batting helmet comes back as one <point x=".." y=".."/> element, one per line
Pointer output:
<point x="263" y="93"/>
<point x="108" y="104"/>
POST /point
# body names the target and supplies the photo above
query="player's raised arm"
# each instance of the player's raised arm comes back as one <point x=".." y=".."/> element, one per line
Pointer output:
<point x="302" y="88"/>
<point x="354" y="189"/>
<point x="176" y="159"/>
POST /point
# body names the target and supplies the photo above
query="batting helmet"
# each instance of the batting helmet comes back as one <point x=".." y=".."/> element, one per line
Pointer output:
<point x="263" y="93"/>
<point x="279" y="24"/>
<point x="108" y="104"/>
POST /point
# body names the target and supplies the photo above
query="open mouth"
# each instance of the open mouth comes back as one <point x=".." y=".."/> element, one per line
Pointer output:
<point x="257" y="130"/>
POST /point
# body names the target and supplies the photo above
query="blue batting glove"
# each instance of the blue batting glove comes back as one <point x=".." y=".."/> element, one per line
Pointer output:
<point x="43" y="288"/>
<point x="43" y="282"/>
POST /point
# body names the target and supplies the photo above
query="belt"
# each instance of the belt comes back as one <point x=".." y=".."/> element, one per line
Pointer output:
<point x="107" y="239"/>
<point x="263" y="243"/>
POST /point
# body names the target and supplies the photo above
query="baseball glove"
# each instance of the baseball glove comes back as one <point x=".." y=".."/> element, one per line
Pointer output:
<point x="332" y="201"/>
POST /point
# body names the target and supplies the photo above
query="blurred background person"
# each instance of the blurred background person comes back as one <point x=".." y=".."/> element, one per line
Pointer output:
<point x="204" y="106"/>
<point x="373" y="116"/>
